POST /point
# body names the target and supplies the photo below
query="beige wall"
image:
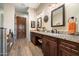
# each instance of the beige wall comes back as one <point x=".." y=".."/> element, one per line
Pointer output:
<point x="70" y="10"/>
<point x="1" y="18"/>
<point x="32" y="17"/>
<point x="9" y="15"/>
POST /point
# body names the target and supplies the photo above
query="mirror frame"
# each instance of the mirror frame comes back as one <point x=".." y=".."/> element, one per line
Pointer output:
<point x="63" y="18"/>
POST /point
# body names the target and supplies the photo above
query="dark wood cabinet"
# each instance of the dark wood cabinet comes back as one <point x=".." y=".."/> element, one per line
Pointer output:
<point x="45" y="47"/>
<point x="36" y="39"/>
<point x="53" y="46"/>
<point x="68" y="48"/>
<point x="49" y="46"/>
<point x="53" y="49"/>
<point x="33" y="40"/>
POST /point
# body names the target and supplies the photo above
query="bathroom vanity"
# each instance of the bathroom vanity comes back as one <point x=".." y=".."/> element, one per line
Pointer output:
<point x="53" y="44"/>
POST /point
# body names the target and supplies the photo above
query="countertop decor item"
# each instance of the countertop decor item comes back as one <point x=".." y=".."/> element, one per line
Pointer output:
<point x="72" y="25"/>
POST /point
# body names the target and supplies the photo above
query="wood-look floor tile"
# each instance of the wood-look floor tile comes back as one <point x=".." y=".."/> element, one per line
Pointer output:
<point x="24" y="48"/>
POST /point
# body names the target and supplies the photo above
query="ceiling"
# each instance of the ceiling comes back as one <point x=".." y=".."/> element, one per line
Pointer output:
<point x="1" y="5"/>
<point x="23" y="7"/>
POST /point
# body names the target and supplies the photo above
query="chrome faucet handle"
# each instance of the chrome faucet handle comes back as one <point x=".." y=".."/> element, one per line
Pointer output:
<point x="55" y="30"/>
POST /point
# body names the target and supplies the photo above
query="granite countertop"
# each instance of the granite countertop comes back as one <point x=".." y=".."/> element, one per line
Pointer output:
<point x="74" y="38"/>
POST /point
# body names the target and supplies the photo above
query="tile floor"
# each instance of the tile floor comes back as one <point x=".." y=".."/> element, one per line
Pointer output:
<point x="24" y="48"/>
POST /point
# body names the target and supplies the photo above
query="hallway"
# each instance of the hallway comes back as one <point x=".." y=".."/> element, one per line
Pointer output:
<point x="23" y="48"/>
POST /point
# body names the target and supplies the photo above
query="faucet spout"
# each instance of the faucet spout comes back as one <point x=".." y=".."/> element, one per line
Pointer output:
<point x="55" y="30"/>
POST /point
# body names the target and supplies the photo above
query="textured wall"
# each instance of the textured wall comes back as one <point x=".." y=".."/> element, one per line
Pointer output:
<point x="9" y="16"/>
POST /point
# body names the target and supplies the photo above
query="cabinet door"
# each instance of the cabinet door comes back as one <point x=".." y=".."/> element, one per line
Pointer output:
<point x="45" y="47"/>
<point x="33" y="38"/>
<point x="49" y="46"/>
<point x="52" y="48"/>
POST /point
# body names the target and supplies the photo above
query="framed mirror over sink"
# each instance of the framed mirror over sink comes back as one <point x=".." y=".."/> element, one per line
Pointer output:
<point x="58" y="16"/>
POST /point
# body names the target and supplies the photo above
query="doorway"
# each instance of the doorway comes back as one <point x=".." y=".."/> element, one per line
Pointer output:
<point x="21" y="27"/>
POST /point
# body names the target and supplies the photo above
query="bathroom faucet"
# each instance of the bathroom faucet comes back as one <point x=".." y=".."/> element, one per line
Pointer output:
<point x="55" y="30"/>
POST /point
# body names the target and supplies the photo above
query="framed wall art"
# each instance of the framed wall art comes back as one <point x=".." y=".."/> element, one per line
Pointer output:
<point x="32" y="24"/>
<point x="39" y="22"/>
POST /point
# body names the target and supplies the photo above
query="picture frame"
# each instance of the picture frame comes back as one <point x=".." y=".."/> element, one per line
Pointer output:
<point x="32" y="24"/>
<point x="39" y="22"/>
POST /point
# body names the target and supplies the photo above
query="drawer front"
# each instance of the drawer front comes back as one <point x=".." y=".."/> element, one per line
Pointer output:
<point x="68" y="51"/>
<point x="50" y="38"/>
<point x="39" y="35"/>
<point x="68" y="48"/>
<point x="70" y="44"/>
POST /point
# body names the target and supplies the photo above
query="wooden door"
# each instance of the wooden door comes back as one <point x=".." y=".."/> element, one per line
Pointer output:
<point x="21" y="27"/>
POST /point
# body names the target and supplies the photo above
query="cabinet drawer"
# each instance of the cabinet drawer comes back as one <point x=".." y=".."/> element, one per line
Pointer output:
<point x="65" y="51"/>
<point x="70" y="44"/>
<point x="68" y="48"/>
<point x="38" y="35"/>
<point x="50" y="38"/>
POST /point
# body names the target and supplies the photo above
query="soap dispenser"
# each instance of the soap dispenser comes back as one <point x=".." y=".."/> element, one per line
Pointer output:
<point x="72" y="25"/>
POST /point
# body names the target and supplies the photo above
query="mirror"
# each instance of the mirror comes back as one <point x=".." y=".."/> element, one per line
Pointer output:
<point x="58" y="17"/>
